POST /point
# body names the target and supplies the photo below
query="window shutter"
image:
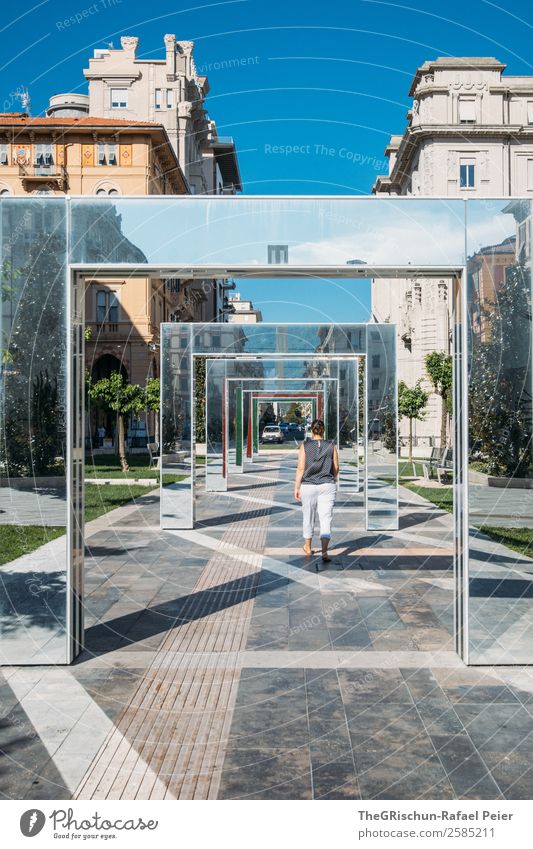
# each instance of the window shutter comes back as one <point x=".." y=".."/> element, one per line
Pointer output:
<point x="125" y="154"/>
<point x="60" y="154"/>
<point x="467" y="110"/>
<point x="530" y="175"/>
<point x="87" y="154"/>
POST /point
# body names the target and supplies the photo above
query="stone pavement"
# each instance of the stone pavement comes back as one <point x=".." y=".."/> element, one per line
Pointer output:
<point x="220" y="663"/>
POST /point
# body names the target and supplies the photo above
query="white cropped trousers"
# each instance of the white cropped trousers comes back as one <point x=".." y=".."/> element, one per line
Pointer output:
<point x="318" y="498"/>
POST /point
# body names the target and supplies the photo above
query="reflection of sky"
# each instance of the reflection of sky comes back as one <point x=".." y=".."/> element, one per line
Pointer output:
<point x="318" y="231"/>
<point x="313" y="299"/>
<point x="487" y="224"/>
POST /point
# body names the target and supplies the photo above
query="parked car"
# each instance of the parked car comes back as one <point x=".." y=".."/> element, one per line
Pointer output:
<point x="284" y="426"/>
<point x="272" y="433"/>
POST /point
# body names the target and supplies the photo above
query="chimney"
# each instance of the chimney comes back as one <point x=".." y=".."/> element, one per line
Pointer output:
<point x="170" y="45"/>
<point x="129" y="44"/>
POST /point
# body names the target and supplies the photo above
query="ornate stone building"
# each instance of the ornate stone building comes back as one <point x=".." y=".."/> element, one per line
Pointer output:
<point x="171" y="92"/>
<point x="469" y="132"/>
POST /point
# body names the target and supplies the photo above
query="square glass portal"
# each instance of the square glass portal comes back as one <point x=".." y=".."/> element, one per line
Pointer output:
<point x="301" y="351"/>
<point x="46" y="241"/>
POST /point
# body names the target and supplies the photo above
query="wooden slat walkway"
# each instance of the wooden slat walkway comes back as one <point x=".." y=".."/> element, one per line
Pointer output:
<point x="170" y="740"/>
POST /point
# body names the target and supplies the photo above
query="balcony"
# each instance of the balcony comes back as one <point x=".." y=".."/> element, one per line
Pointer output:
<point x="47" y="174"/>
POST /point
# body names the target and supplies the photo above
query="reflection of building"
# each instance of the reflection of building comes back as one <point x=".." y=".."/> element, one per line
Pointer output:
<point x="171" y="92"/>
<point x="486" y="272"/>
<point x="469" y="132"/>
<point x="243" y="310"/>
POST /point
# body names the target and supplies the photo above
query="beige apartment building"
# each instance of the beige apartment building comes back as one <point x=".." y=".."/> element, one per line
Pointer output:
<point x="242" y="310"/>
<point x="469" y="133"/>
<point x="82" y="155"/>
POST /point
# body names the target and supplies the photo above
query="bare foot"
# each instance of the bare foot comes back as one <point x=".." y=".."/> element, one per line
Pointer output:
<point x="307" y="549"/>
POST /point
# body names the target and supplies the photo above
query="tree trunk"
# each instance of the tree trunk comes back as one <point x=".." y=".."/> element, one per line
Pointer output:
<point x="156" y="427"/>
<point x="443" y="419"/>
<point x="122" y="444"/>
<point x="410" y="440"/>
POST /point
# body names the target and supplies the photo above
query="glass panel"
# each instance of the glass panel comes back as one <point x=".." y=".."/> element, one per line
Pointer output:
<point x="311" y="353"/>
<point x="500" y="437"/>
<point x="216" y="424"/>
<point x="382" y="429"/>
<point x="240" y="231"/>
<point x="34" y="434"/>
<point x="177" y="427"/>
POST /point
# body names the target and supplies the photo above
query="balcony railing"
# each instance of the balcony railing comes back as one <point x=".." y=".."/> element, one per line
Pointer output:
<point x="45" y="173"/>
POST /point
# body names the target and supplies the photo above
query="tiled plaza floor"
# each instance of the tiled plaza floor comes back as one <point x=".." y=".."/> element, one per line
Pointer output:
<point x="220" y="663"/>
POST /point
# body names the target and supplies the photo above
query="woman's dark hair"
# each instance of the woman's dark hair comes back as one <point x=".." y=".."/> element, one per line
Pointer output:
<point x="317" y="427"/>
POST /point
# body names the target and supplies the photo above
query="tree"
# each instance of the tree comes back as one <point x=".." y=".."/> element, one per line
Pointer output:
<point x="439" y="370"/>
<point x="411" y="404"/>
<point x="153" y="401"/>
<point x="199" y="398"/>
<point x="294" y="413"/>
<point x="267" y="416"/>
<point x="33" y="417"/>
<point x="114" y="395"/>
<point x="500" y="379"/>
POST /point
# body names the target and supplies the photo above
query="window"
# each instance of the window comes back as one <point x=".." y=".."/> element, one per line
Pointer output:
<point x="523" y="239"/>
<point x="119" y="98"/>
<point x="278" y="254"/>
<point x="163" y="98"/>
<point x="107" y="192"/>
<point x="375" y="383"/>
<point x="530" y="175"/>
<point x="530" y="111"/>
<point x="106" y="306"/>
<point x="376" y="360"/>
<point x="467" y="110"/>
<point x="43" y="155"/>
<point x="3" y="154"/>
<point x="467" y="174"/>
<point x="107" y="154"/>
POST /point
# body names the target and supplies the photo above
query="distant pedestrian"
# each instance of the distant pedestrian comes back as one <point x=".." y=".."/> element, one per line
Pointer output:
<point x="316" y="486"/>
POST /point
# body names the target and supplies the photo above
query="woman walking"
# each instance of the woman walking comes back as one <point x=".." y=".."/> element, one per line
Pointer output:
<point x="316" y="486"/>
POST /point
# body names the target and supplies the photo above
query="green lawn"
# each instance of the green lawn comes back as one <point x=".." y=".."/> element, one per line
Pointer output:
<point x="442" y="498"/>
<point x="102" y="499"/>
<point x="518" y="539"/>
<point x="108" y="466"/>
<point x="16" y="540"/>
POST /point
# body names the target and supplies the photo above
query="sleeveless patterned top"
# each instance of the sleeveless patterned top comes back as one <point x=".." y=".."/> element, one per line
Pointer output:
<point x="318" y="461"/>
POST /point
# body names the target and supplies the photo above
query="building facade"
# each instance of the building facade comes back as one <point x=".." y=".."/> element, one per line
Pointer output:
<point x="171" y="92"/>
<point x="242" y="310"/>
<point x="469" y="132"/>
<point x="84" y="155"/>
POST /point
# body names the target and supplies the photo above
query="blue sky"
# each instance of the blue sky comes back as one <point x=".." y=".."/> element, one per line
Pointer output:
<point x="310" y="91"/>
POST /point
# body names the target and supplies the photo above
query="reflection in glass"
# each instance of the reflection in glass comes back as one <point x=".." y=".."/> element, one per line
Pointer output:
<point x="500" y="439"/>
<point x="243" y="231"/>
<point x="33" y="424"/>
<point x="303" y="351"/>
